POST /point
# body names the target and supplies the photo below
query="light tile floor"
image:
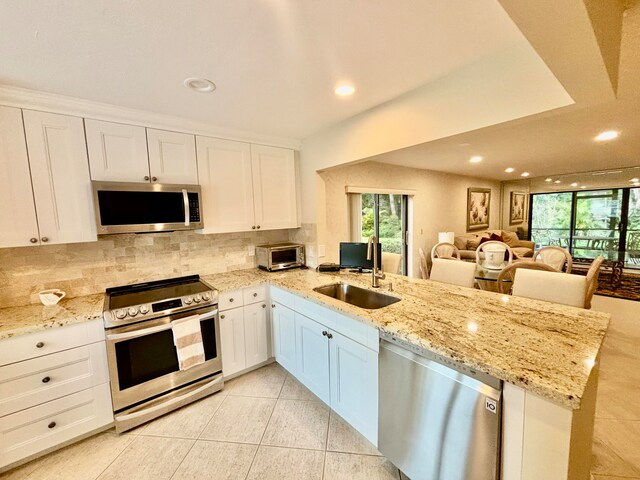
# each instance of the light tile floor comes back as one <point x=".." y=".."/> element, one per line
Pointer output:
<point x="266" y="425"/>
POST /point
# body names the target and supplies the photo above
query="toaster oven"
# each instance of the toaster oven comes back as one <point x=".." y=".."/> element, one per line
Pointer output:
<point x="280" y="256"/>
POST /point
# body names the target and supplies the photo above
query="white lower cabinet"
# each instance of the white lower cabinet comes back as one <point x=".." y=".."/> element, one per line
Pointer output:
<point x="354" y="384"/>
<point x="312" y="356"/>
<point x="284" y="337"/>
<point x="54" y="387"/>
<point x="341" y="371"/>
<point x="244" y="329"/>
<point x="232" y="341"/>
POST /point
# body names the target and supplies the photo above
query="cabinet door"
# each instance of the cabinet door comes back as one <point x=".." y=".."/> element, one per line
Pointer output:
<point x="60" y="176"/>
<point x="224" y="170"/>
<point x="354" y="384"/>
<point x="18" y="225"/>
<point x="256" y="333"/>
<point x="117" y="152"/>
<point x="232" y="341"/>
<point x="172" y="157"/>
<point x="312" y="356"/>
<point x="284" y="337"/>
<point x="274" y="187"/>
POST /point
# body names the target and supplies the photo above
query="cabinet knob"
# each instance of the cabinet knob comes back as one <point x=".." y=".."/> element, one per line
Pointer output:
<point x="39" y="344"/>
<point x="46" y="379"/>
<point x="222" y="317"/>
<point x="51" y="425"/>
<point x="154" y="179"/>
<point x="264" y="305"/>
<point x="231" y="300"/>
<point x="253" y="228"/>
<point x="146" y="177"/>
<point x="45" y="239"/>
<point x="273" y="305"/>
<point x="324" y="333"/>
<point x="255" y="294"/>
<point x="33" y="240"/>
<point x="258" y="227"/>
<point x="329" y="335"/>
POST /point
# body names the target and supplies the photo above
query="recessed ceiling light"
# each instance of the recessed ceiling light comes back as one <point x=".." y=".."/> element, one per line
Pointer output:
<point x="557" y="181"/>
<point x="475" y="159"/>
<point x="524" y="174"/>
<point x="548" y="179"/>
<point x="607" y="135"/>
<point x="574" y="184"/>
<point x="634" y="180"/>
<point x="344" y="90"/>
<point x="509" y="170"/>
<point x="201" y="85"/>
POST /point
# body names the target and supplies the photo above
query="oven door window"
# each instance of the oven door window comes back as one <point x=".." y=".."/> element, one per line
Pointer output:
<point x="289" y="255"/>
<point x="152" y="356"/>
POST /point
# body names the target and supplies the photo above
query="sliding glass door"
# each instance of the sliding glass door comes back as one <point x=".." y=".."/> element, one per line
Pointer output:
<point x="385" y="216"/>
<point x="589" y="223"/>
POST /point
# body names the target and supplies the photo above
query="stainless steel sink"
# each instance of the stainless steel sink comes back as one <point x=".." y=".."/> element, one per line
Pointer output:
<point x="360" y="297"/>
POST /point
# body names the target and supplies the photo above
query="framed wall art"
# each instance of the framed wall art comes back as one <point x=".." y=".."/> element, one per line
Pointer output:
<point x="517" y="208"/>
<point x="478" y="208"/>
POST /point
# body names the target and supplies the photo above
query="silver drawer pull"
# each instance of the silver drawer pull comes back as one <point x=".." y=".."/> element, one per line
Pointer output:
<point x="51" y="425"/>
<point x="46" y="379"/>
<point x="39" y="344"/>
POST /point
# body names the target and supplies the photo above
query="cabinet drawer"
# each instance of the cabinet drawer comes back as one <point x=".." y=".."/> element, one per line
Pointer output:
<point x="32" y="382"/>
<point x="35" y="429"/>
<point x="41" y="343"/>
<point x="228" y="300"/>
<point x="255" y="294"/>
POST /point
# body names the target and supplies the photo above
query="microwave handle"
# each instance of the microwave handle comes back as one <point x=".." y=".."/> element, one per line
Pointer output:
<point x="187" y="213"/>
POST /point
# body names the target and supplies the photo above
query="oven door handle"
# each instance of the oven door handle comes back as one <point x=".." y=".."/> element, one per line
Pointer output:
<point x="205" y="316"/>
<point x="138" y="333"/>
<point x="187" y="212"/>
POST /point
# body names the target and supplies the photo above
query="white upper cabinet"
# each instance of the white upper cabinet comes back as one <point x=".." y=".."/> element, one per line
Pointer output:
<point x="60" y="177"/>
<point x="274" y="187"/>
<point x="246" y="187"/>
<point x="224" y="170"/>
<point x="117" y="152"/>
<point x="18" y="225"/>
<point x="172" y="157"/>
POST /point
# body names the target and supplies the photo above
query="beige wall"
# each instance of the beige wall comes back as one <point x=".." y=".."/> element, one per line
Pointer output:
<point x="86" y="268"/>
<point x="439" y="204"/>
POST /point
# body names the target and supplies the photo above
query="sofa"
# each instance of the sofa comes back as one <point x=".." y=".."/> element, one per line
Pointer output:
<point x="468" y="243"/>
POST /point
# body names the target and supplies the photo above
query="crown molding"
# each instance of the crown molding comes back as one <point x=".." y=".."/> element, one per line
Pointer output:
<point x="35" y="100"/>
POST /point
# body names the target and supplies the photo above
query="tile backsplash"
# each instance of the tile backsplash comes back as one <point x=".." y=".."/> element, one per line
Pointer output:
<point x="86" y="268"/>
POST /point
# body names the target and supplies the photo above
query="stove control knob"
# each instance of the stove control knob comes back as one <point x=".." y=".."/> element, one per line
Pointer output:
<point x="144" y="309"/>
<point x="120" y="314"/>
<point x="133" y="311"/>
<point x="197" y="298"/>
<point x="188" y="300"/>
<point x="206" y="296"/>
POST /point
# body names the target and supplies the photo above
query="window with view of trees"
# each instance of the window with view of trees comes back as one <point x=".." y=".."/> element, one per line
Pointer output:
<point x="384" y="215"/>
<point x="589" y="223"/>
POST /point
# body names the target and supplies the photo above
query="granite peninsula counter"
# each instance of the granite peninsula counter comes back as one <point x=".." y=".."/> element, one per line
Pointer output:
<point x="545" y="348"/>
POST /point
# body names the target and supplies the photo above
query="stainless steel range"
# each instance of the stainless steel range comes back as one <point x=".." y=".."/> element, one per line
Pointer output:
<point x="144" y="365"/>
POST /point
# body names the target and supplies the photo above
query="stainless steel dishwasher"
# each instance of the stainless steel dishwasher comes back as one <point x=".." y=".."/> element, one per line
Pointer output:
<point x="438" y="420"/>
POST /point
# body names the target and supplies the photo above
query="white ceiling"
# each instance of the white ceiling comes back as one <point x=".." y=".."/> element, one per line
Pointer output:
<point x="550" y="143"/>
<point x="275" y="62"/>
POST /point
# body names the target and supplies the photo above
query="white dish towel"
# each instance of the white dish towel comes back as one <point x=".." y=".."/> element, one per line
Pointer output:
<point x="187" y="338"/>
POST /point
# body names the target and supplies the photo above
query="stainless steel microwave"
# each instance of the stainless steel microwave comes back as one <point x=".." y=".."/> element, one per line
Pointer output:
<point x="280" y="256"/>
<point x="146" y="207"/>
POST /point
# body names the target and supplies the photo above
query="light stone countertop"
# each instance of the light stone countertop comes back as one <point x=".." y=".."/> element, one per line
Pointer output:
<point x="33" y="318"/>
<point x="545" y="348"/>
